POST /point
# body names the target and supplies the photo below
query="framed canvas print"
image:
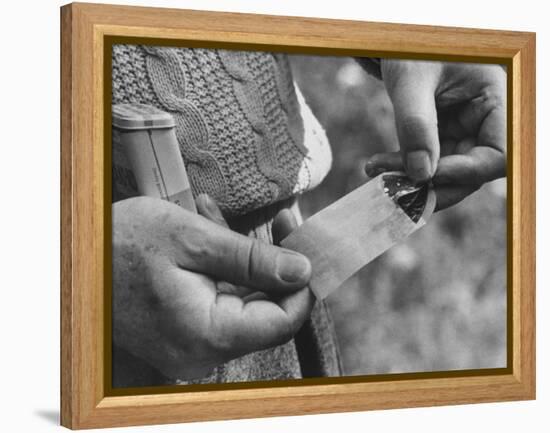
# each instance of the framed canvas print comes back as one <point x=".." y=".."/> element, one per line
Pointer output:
<point x="266" y="216"/>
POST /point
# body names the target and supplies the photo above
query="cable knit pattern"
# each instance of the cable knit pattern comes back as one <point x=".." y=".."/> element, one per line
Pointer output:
<point x="239" y="122"/>
<point x="289" y="101"/>
<point x="273" y="82"/>
<point x="247" y="93"/>
<point x="168" y="81"/>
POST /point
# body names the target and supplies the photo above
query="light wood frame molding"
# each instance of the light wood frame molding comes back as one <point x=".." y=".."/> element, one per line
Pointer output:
<point x="84" y="27"/>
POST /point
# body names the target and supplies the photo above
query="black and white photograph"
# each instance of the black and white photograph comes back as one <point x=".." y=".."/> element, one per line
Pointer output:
<point x="279" y="217"/>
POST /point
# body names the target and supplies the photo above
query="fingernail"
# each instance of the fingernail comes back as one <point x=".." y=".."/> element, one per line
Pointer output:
<point x="203" y="201"/>
<point x="209" y="203"/>
<point x="214" y="212"/>
<point x="211" y="206"/>
<point x="375" y="171"/>
<point x="293" y="267"/>
<point x="419" y="166"/>
<point x="370" y="168"/>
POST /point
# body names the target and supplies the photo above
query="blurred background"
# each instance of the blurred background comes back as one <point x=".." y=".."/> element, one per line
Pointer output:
<point x="436" y="302"/>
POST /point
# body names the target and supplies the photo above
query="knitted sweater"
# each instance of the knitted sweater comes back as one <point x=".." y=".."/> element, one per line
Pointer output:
<point x="249" y="140"/>
<point x="246" y="136"/>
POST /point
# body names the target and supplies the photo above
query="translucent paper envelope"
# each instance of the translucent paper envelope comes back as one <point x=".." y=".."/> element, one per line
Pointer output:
<point x="353" y="231"/>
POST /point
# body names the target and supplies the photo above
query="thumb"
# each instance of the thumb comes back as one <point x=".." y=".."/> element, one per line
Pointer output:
<point x="217" y="251"/>
<point x="411" y="87"/>
<point x="283" y="224"/>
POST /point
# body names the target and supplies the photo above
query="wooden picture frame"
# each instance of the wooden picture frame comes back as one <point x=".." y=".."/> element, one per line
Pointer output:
<point x="85" y="28"/>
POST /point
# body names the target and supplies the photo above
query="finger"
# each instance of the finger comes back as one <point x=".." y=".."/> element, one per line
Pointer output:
<point x="239" y="328"/>
<point x="232" y="289"/>
<point x="382" y="162"/>
<point x="232" y="326"/>
<point x="464" y="146"/>
<point x="477" y="166"/>
<point x="255" y="296"/>
<point x="411" y="87"/>
<point x="211" y="249"/>
<point x="447" y="193"/>
<point x="208" y="208"/>
<point x="492" y="132"/>
<point x="283" y="224"/>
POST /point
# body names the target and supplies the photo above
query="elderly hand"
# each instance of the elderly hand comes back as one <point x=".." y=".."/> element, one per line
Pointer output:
<point x="190" y="294"/>
<point x="451" y="125"/>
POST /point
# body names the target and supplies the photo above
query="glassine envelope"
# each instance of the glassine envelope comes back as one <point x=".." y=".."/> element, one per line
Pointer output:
<point x="351" y="232"/>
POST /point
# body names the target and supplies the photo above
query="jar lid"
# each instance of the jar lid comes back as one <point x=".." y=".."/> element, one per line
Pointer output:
<point x="140" y="116"/>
